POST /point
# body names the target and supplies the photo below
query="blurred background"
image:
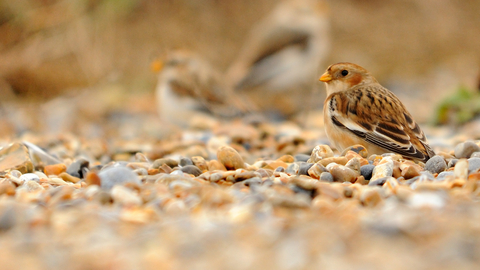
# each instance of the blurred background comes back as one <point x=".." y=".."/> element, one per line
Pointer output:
<point x="81" y="65"/>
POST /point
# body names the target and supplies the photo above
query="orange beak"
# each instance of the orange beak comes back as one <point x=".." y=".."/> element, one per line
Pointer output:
<point x="325" y="77"/>
<point x="157" y="65"/>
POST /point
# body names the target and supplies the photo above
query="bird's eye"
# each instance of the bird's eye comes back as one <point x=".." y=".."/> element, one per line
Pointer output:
<point x="344" y="72"/>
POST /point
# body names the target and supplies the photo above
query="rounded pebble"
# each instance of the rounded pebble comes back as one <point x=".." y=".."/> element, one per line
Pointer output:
<point x="230" y="158"/>
<point x="466" y="149"/>
<point x="366" y="171"/>
<point x="436" y="164"/>
<point x="191" y="169"/>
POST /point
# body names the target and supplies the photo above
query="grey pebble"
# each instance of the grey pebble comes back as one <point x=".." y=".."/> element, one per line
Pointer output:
<point x="191" y="169"/>
<point x="326" y="177"/>
<point x="304" y="167"/>
<point x="292" y="168"/>
<point x="475" y="154"/>
<point x="473" y="164"/>
<point x="117" y="175"/>
<point x="185" y="161"/>
<point x="280" y="169"/>
<point x="443" y="175"/>
<point x="301" y="158"/>
<point x="366" y="171"/>
<point x="466" y="149"/>
<point x="436" y="164"/>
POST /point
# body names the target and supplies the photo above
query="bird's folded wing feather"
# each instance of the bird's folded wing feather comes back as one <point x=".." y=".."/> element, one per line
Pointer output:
<point x="396" y="132"/>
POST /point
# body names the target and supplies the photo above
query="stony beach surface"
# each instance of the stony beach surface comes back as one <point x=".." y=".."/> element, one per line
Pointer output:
<point x="236" y="195"/>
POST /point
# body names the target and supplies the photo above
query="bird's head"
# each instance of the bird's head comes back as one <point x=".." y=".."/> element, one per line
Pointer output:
<point x="343" y="76"/>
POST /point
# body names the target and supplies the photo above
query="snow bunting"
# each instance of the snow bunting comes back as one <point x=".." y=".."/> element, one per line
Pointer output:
<point x="189" y="85"/>
<point x="280" y="59"/>
<point x="358" y="110"/>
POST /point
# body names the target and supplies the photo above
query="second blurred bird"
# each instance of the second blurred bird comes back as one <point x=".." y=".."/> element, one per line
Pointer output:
<point x="278" y="63"/>
<point x="188" y="85"/>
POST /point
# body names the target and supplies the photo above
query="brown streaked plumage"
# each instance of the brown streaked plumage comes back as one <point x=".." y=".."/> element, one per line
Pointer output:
<point x="358" y="110"/>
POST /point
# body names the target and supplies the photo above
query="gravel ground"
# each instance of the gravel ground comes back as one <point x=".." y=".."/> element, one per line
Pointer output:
<point x="235" y="195"/>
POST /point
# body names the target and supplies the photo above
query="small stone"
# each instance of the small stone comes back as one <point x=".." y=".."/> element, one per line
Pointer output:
<point x="350" y="155"/>
<point x="301" y="158"/>
<point x="117" y="176"/>
<point x="475" y="154"/>
<point x="191" y="169"/>
<point x="242" y="175"/>
<point x="78" y="167"/>
<point x="361" y="180"/>
<point x="293" y="168"/>
<point x="287" y="158"/>
<point x="367" y="171"/>
<point x="338" y="160"/>
<point x="473" y="164"/>
<point x="343" y="174"/>
<point x="275" y="164"/>
<point x="461" y="169"/>
<point x="354" y="164"/>
<point x="230" y="158"/>
<point x="55" y="169"/>
<point x="382" y="170"/>
<point x="445" y="175"/>
<point x="358" y="148"/>
<point x="215" y="165"/>
<point x="15" y="157"/>
<point x="29" y="177"/>
<point x="168" y="161"/>
<point x="320" y="152"/>
<point x="304" y="182"/>
<point x="304" y="167"/>
<point x="200" y="163"/>
<point x="436" y="164"/>
<point x="326" y="177"/>
<point x="125" y="196"/>
<point x="185" y="161"/>
<point x="410" y="172"/>
<point x="466" y="149"/>
<point x="92" y="178"/>
<point x="316" y="170"/>
<point x="69" y="178"/>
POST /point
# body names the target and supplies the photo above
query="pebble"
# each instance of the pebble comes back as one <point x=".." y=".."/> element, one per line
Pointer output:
<point x="293" y="168"/>
<point x="191" y="169"/>
<point x="316" y="170"/>
<point x="410" y="172"/>
<point x="371" y="197"/>
<point x="366" y="171"/>
<point x="230" y="158"/>
<point x="320" y="152"/>
<point x="185" y="161"/>
<point x="343" y="174"/>
<point x="200" y="163"/>
<point x="466" y="149"/>
<point x="215" y="165"/>
<point x="326" y="177"/>
<point x="379" y="181"/>
<point x="473" y="164"/>
<point x="354" y="164"/>
<point x="117" y="176"/>
<point x="445" y="175"/>
<point x="55" y="169"/>
<point x="29" y="177"/>
<point x="436" y="164"/>
<point x="383" y="170"/>
<point x="301" y="158"/>
<point x="304" y="167"/>
<point x="359" y="149"/>
<point x="337" y="160"/>
<point x="15" y="157"/>
<point x="78" y="168"/>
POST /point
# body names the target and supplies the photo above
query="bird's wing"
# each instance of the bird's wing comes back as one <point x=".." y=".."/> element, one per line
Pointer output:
<point x="380" y="119"/>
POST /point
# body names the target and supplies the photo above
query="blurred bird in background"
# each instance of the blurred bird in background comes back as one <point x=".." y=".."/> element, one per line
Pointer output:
<point x="188" y="86"/>
<point x="277" y="66"/>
